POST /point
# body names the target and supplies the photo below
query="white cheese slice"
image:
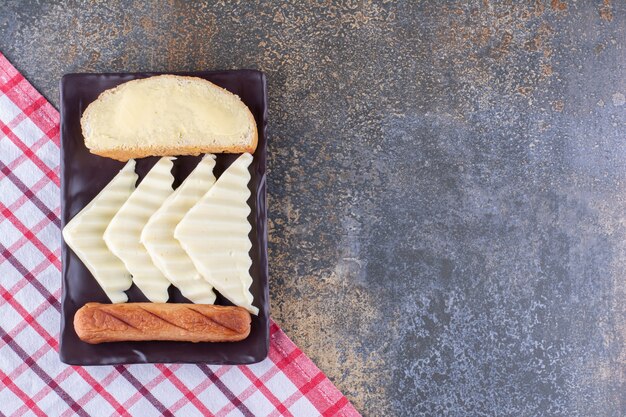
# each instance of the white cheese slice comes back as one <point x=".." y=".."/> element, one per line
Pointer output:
<point x="214" y="233"/>
<point x="84" y="234"/>
<point x="124" y="232"/>
<point x="158" y="234"/>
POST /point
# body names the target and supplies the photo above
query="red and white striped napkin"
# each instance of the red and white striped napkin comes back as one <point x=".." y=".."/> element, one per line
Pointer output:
<point x="32" y="379"/>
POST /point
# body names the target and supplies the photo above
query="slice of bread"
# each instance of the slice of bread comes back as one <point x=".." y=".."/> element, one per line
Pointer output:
<point x="168" y="115"/>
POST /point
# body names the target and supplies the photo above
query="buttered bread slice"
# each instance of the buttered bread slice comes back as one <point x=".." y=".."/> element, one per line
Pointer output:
<point x="214" y="233"/>
<point x="123" y="234"/>
<point x="168" y="115"/>
<point x="84" y="234"/>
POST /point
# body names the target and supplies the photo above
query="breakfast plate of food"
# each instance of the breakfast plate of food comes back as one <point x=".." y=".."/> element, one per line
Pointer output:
<point x="163" y="212"/>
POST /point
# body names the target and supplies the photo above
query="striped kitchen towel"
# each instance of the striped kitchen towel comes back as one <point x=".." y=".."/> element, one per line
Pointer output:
<point x="32" y="379"/>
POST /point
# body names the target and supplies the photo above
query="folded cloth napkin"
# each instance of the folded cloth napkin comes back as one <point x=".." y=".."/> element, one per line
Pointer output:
<point x="32" y="379"/>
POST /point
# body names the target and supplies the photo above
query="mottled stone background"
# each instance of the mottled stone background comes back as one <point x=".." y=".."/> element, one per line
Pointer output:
<point x="447" y="183"/>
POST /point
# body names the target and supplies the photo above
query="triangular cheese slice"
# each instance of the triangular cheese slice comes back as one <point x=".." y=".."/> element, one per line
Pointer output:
<point x="123" y="234"/>
<point x="158" y="234"/>
<point x="214" y="233"/>
<point x="84" y="234"/>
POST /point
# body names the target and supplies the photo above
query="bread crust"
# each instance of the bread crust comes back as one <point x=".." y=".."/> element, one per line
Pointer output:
<point x="98" y="323"/>
<point x="125" y="154"/>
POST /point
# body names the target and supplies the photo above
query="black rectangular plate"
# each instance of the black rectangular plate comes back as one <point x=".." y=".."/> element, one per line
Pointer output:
<point x="83" y="175"/>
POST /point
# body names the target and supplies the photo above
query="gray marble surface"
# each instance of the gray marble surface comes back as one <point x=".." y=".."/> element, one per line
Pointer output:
<point x="447" y="183"/>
